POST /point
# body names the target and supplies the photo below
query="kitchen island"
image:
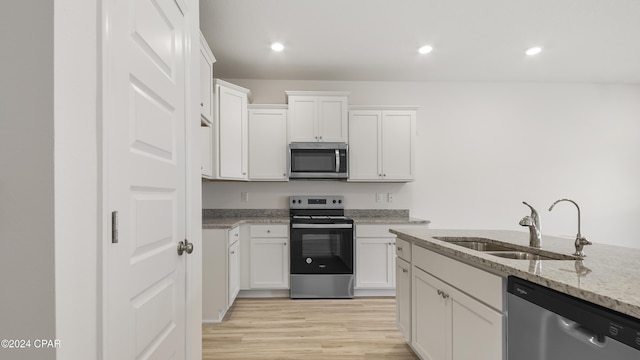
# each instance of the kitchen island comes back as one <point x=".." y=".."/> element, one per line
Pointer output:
<point x="608" y="276"/>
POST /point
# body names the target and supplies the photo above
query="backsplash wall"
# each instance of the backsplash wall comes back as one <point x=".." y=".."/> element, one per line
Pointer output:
<point x="270" y="195"/>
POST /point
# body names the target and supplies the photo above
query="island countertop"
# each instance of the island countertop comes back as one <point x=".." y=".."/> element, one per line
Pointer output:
<point x="608" y="276"/>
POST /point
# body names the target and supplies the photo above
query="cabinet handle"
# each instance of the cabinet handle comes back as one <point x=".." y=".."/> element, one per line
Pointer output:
<point x="384" y="174"/>
<point x="284" y="244"/>
<point x="233" y="252"/>
<point x="443" y="294"/>
<point x="399" y="248"/>
<point x="201" y="104"/>
<point x="268" y="231"/>
<point x="320" y="137"/>
<point x="405" y="270"/>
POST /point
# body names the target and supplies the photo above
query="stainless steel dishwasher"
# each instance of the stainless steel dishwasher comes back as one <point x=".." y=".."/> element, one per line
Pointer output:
<point x="544" y="324"/>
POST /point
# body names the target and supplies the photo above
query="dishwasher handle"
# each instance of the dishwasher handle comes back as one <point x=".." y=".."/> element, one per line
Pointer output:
<point x="581" y="333"/>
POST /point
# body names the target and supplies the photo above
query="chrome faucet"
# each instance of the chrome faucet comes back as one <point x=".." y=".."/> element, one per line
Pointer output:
<point x="581" y="241"/>
<point x="533" y="222"/>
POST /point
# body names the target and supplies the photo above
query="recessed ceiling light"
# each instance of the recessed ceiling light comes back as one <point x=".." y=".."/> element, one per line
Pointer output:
<point x="277" y="47"/>
<point x="533" y="51"/>
<point x="425" y="49"/>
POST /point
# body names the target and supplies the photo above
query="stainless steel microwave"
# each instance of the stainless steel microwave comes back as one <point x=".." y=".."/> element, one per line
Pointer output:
<point x="318" y="160"/>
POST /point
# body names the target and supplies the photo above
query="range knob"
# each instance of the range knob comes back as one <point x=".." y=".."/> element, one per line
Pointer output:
<point x="334" y="201"/>
<point x="339" y="201"/>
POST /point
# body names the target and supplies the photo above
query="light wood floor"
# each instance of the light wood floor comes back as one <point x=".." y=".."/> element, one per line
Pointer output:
<point x="361" y="328"/>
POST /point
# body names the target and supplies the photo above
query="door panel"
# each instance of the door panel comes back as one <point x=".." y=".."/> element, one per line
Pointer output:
<point x="144" y="120"/>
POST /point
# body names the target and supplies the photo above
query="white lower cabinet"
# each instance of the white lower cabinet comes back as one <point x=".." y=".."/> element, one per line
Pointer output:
<point x="375" y="262"/>
<point x="269" y="257"/>
<point x="403" y="297"/>
<point x="449" y="324"/>
<point x="220" y="272"/>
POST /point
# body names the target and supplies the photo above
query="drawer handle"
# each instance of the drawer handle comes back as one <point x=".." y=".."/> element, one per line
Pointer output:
<point x="268" y="231"/>
<point x="399" y="248"/>
<point x="284" y="244"/>
<point x="443" y="294"/>
<point x="233" y="252"/>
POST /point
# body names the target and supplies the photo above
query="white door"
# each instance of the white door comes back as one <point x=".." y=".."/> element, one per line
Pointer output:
<point x="375" y="263"/>
<point x="332" y="118"/>
<point x="303" y="118"/>
<point x="232" y="115"/>
<point x="268" y="144"/>
<point x="364" y="145"/>
<point x="144" y="144"/>
<point x="269" y="263"/>
<point x="397" y="145"/>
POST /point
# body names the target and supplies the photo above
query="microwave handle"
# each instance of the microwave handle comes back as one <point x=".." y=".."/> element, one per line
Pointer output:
<point x="337" y="160"/>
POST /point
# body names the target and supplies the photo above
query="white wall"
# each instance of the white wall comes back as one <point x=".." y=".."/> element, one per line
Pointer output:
<point x="483" y="148"/>
<point x="26" y="176"/>
<point x="76" y="178"/>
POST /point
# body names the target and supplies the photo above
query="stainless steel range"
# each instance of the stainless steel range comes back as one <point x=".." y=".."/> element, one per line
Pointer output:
<point x="322" y="248"/>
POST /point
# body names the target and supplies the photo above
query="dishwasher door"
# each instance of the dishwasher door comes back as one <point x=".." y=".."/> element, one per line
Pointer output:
<point x="544" y="324"/>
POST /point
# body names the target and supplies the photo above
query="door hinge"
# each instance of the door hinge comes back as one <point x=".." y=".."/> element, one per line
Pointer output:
<point x="114" y="227"/>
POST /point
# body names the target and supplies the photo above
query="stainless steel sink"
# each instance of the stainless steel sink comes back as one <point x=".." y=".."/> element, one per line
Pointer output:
<point x="523" y="255"/>
<point x="481" y="246"/>
<point x="502" y="249"/>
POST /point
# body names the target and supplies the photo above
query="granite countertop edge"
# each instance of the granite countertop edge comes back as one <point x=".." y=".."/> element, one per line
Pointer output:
<point x="231" y="222"/>
<point x="606" y="284"/>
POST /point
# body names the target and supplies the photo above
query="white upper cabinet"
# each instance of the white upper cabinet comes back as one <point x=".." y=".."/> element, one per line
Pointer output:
<point x="206" y="81"/>
<point x="381" y="143"/>
<point x="268" y="142"/>
<point x="206" y="151"/>
<point x="317" y="116"/>
<point x="230" y="131"/>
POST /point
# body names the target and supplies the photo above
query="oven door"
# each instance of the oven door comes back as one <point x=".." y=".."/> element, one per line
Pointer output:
<point x="321" y="248"/>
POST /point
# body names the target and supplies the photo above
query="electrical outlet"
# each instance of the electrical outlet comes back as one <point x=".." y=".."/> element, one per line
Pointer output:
<point x="244" y="196"/>
<point x="390" y="197"/>
<point x="378" y="197"/>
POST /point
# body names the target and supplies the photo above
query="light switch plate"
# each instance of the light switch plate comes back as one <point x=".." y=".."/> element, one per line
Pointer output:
<point x="244" y="196"/>
<point x="390" y="197"/>
<point x="378" y="197"/>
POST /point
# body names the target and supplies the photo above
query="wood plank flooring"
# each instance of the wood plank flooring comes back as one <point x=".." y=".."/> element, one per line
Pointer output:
<point x="361" y="328"/>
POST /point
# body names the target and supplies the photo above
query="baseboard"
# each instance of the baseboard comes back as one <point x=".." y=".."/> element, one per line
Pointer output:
<point x="263" y="293"/>
<point x="374" y="292"/>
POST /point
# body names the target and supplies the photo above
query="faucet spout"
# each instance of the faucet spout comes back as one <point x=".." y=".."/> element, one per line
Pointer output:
<point x="581" y="241"/>
<point x="533" y="222"/>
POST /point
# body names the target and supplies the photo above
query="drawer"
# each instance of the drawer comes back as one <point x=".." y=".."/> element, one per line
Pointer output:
<point x="403" y="249"/>
<point x="234" y="235"/>
<point x="269" y="231"/>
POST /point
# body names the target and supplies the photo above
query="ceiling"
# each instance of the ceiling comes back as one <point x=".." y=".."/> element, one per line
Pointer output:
<point x="473" y="40"/>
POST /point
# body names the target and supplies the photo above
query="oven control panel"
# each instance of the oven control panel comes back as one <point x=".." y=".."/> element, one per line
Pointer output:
<point x="316" y="202"/>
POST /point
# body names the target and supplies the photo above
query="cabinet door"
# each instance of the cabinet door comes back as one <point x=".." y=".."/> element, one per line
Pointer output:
<point x="303" y="118"/>
<point x="398" y="129"/>
<point x="375" y="263"/>
<point x="269" y="263"/>
<point x="476" y="329"/>
<point x="206" y="153"/>
<point x="268" y="144"/>
<point x="233" y="135"/>
<point x="364" y="145"/>
<point x="431" y="326"/>
<point x="234" y="272"/>
<point x="332" y="119"/>
<point x="403" y="298"/>
<point x="206" y="86"/>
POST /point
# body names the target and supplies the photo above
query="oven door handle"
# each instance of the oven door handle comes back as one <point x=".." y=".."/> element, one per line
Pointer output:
<point x="322" y="226"/>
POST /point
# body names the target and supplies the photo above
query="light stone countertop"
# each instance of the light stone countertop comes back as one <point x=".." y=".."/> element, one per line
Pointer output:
<point x="229" y="218"/>
<point x="608" y="276"/>
<point x="231" y="222"/>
